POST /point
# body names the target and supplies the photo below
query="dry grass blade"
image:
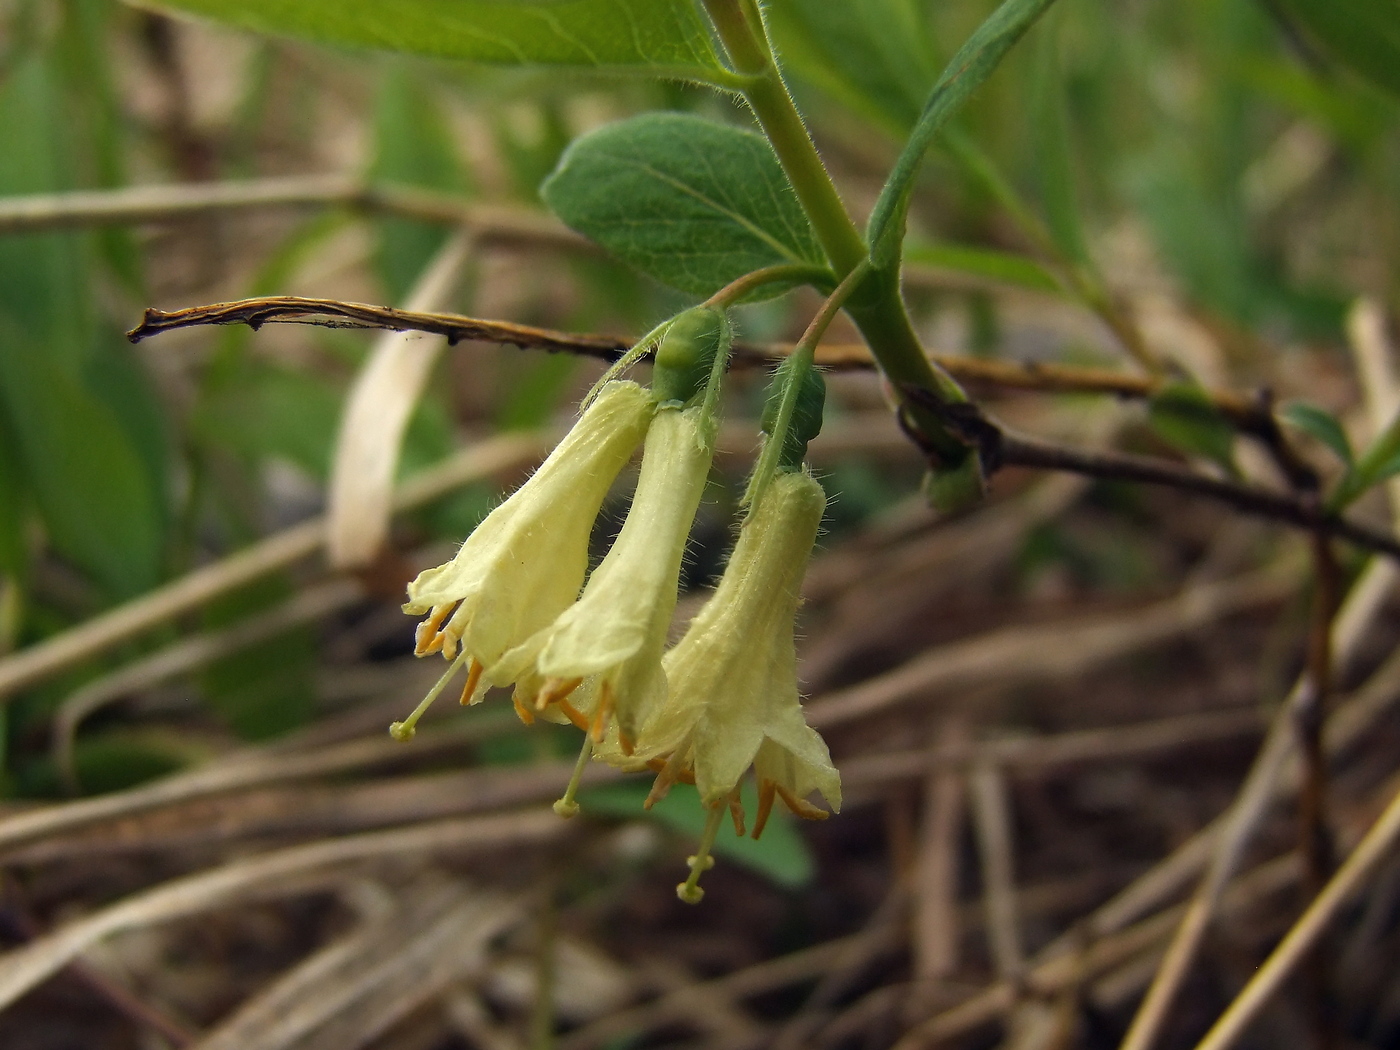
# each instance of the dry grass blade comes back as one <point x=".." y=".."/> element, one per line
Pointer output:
<point x="992" y="819"/>
<point x="1359" y="866"/>
<point x="1055" y="650"/>
<point x="375" y="417"/>
<point x="351" y="991"/>
<point x="679" y="1004"/>
<point x="238" y="772"/>
<point x="936" y="929"/>
<point x="23" y="968"/>
<point x="171" y="203"/>
<point x="1058" y="974"/>
<point x="267" y="556"/>
<point x="331" y="809"/>
<point x="189" y="655"/>
<point x="1361" y="607"/>
<point x="1036" y="753"/>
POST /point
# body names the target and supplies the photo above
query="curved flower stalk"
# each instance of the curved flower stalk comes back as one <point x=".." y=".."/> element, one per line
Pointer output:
<point x="734" y="701"/>
<point x="614" y="636"/>
<point x="525" y="563"/>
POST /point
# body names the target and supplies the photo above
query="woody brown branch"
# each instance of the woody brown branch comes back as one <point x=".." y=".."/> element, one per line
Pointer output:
<point x="996" y="447"/>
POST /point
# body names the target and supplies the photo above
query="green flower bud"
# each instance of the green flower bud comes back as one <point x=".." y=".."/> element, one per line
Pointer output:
<point x="806" y="420"/>
<point x="956" y="489"/>
<point x="687" y="354"/>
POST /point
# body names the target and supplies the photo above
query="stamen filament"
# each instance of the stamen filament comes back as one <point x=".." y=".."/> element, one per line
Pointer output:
<point x="568" y="805"/>
<point x="555" y="690"/>
<point x="689" y="890"/>
<point x="404" y="730"/>
<point x="474" y="670"/>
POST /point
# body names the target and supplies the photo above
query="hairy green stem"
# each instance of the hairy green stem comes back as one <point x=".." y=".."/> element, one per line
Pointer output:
<point x="784" y="273"/>
<point x="799" y="362"/>
<point x="877" y="307"/>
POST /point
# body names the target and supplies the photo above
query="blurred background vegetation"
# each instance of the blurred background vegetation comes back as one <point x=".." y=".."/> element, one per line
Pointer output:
<point x="1225" y="173"/>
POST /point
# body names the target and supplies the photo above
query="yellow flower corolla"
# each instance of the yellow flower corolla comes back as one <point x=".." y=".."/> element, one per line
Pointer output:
<point x="733" y="701"/>
<point x="524" y="564"/>
<point x="614" y="636"/>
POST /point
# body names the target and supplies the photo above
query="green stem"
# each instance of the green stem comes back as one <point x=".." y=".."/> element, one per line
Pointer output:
<point x="784" y="273"/>
<point x="878" y="307"/>
<point x="798" y="363"/>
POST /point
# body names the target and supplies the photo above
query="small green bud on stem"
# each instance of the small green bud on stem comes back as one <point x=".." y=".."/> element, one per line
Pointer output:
<point x="806" y="421"/>
<point x="686" y="356"/>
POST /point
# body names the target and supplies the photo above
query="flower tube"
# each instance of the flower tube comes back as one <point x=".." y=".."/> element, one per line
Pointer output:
<point x="525" y="563"/>
<point x="733" y="700"/>
<point x="616" y="633"/>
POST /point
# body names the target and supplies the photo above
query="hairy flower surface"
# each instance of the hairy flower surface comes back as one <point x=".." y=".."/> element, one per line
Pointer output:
<point x="733" y="700"/>
<point x="615" y="634"/>
<point x="525" y="563"/>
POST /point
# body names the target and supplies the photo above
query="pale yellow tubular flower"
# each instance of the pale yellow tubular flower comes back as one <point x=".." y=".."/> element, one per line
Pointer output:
<point x="733" y="700"/>
<point x="525" y="563"/>
<point x="615" y="635"/>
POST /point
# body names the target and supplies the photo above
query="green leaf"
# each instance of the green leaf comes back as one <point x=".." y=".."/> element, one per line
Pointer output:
<point x="663" y="37"/>
<point x="1184" y="416"/>
<point x="1363" y="34"/>
<point x="693" y="203"/>
<point x="1004" y="267"/>
<point x="874" y="56"/>
<point x="414" y="146"/>
<point x="265" y="689"/>
<point x="1050" y="139"/>
<point x="1321" y="424"/>
<point x="780" y="855"/>
<point x="1380" y="461"/>
<point x="96" y="496"/>
<point x="973" y="64"/>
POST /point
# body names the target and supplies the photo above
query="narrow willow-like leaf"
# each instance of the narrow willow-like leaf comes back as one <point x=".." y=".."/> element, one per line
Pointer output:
<point x="1378" y="463"/>
<point x="976" y="261"/>
<point x="1363" y="34"/>
<point x="874" y="56"/>
<point x="1050" y="138"/>
<point x="1321" y="424"/>
<point x="693" y="203"/>
<point x="1184" y="416"/>
<point x="664" y="37"/>
<point x="972" y="65"/>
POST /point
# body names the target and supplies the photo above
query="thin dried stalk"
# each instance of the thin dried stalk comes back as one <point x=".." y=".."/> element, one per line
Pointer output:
<point x="1260" y="788"/>
<point x="267" y="556"/>
<point x="351" y="991"/>
<point x="1304" y="935"/>
<point x="173" y="203"/>
<point x="189" y="655"/>
<point x="1058" y="974"/>
<point x="23" y="968"/>
<point x="679" y="1004"/>
<point x="935" y="913"/>
<point x="991" y="812"/>
<point x="1032" y="754"/>
<point x="238" y="772"/>
<point x="1033" y="653"/>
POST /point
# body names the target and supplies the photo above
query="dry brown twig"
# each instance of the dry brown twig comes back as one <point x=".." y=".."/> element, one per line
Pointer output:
<point x="996" y="447"/>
